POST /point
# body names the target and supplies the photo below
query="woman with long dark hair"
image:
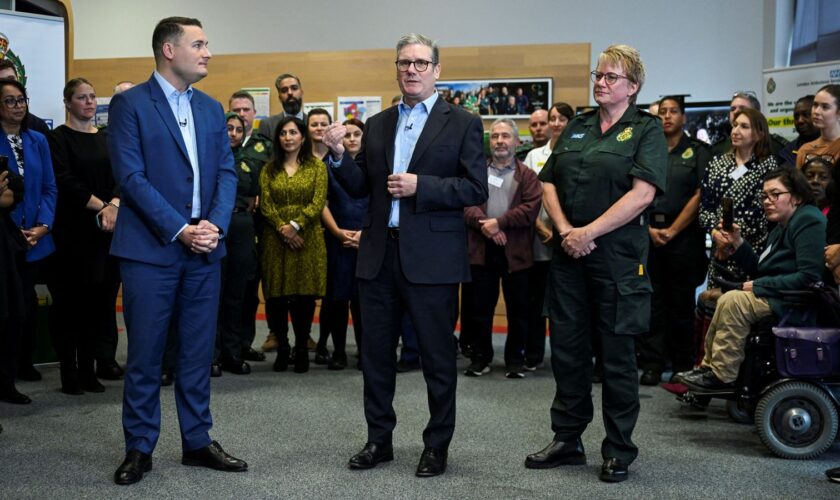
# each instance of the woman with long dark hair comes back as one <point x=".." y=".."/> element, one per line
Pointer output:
<point x="293" y="189"/>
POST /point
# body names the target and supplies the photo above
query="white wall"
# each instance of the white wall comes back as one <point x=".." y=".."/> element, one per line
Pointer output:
<point x="705" y="48"/>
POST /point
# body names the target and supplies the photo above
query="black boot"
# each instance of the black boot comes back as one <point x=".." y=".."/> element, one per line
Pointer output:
<point x="281" y="362"/>
<point x="70" y="379"/>
<point x="301" y="359"/>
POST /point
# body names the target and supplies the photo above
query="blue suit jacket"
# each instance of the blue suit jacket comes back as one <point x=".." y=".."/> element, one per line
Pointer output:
<point x="154" y="174"/>
<point x="39" y="192"/>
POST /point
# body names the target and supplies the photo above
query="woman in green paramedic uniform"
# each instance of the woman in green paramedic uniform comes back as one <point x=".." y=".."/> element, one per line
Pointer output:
<point x="604" y="172"/>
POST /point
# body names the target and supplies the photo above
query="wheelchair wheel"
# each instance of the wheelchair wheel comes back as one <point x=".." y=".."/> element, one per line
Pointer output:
<point x="738" y="413"/>
<point x="796" y="420"/>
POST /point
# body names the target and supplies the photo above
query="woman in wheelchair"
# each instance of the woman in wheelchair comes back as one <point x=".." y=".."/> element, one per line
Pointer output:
<point x="791" y="260"/>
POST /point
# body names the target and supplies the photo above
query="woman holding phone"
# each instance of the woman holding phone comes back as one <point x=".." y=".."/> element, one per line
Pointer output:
<point x="737" y="175"/>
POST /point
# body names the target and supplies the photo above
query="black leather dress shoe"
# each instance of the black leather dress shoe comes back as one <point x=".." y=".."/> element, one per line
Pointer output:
<point x="215" y="369"/>
<point x="613" y="471"/>
<point x="650" y="377"/>
<point x="91" y="384"/>
<point x="404" y="366"/>
<point x="338" y="361"/>
<point x="557" y="453"/>
<point x="133" y="468"/>
<point x="213" y="456"/>
<point x="707" y="381"/>
<point x="109" y="370"/>
<point x="166" y="378"/>
<point x="371" y="455"/>
<point x="432" y="463"/>
<point x="833" y="475"/>
<point x="28" y="373"/>
<point x="11" y="395"/>
<point x="236" y="366"/>
<point x="250" y="354"/>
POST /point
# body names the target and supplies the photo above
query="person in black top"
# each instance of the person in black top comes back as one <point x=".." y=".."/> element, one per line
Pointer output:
<point x="83" y="277"/>
<point x="12" y="249"/>
<point x="677" y="262"/>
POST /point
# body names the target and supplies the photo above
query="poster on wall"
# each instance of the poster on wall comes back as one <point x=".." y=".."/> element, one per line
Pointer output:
<point x="35" y="45"/>
<point x="101" y="117"/>
<point x="262" y="100"/>
<point x="326" y="105"/>
<point x="359" y="107"/>
<point x="509" y="98"/>
<point x="783" y="86"/>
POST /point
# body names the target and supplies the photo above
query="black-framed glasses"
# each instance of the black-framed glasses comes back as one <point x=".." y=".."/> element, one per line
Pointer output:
<point x="420" y="65"/>
<point x="772" y="195"/>
<point x="609" y="78"/>
<point x="11" y="102"/>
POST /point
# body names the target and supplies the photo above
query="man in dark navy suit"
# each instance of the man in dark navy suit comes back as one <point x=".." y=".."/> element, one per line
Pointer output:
<point x="421" y="163"/>
<point x="172" y="160"/>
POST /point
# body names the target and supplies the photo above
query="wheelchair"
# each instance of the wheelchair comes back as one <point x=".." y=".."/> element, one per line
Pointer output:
<point x="795" y="417"/>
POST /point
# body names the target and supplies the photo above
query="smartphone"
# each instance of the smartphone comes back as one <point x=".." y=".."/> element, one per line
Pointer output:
<point x="4" y="163"/>
<point x="727" y="213"/>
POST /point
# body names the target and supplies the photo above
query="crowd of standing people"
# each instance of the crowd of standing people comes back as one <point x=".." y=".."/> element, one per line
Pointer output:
<point x="599" y="232"/>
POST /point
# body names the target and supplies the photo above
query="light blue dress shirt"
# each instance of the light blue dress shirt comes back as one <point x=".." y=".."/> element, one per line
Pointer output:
<point x="409" y="127"/>
<point x="179" y="102"/>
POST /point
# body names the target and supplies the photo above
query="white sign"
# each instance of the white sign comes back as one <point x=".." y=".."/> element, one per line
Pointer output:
<point x="782" y="87"/>
<point x="360" y="108"/>
<point x="262" y="100"/>
<point x="36" y="45"/>
<point x="327" y="106"/>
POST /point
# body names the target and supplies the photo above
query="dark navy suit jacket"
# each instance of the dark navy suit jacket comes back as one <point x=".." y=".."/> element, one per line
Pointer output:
<point x="452" y="174"/>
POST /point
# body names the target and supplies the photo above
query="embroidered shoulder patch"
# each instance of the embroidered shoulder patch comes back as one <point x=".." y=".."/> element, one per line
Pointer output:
<point x="688" y="153"/>
<point x="625" y="134"/>
<point x="259" y="148"/>
<point x="245" y="168"/>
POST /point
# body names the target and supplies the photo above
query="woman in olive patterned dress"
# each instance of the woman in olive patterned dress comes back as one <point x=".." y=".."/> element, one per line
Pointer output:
<point x="293" y="190"/>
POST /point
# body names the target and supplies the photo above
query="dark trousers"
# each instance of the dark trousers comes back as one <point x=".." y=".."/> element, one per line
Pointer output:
<point x="302" y="310"/>
<point x="82" y="319"/>
<point x="467" y="334"/>
<point x="484" y="294"/>
<point x="238" y="268"/>
<point x="333" y="322"/>
<point x="535" y="336"/>
<point x="9" y="340"/>
<point x="675" y="273"/>
<point x="28" y="328"/>
<point x="410" y="352"/>
<point x="582" y="291"/>
<point x="433" y="310"/>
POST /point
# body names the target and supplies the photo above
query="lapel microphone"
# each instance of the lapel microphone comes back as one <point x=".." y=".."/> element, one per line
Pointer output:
<point x="409" y="126"/>
<point x="183" y="123"/>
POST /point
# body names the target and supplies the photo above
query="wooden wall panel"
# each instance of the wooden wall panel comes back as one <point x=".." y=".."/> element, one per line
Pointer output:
<point x="326" y="75"/>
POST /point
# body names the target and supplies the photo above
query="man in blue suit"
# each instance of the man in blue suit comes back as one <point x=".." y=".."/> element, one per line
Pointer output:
<point x="172" y="160"/>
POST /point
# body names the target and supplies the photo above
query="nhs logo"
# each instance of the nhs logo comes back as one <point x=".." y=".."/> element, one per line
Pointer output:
<point x="834" y="74"/>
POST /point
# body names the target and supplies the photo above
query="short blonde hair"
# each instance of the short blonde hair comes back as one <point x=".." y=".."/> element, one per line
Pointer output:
<point x="630" y="60"/>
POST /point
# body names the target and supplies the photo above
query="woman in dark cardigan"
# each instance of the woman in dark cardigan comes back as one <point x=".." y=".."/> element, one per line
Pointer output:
<point x="791" y="260"/>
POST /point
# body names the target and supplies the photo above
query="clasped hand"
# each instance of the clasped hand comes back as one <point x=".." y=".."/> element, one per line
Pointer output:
<point x="490" y="230"/>
<point x="200" y="238"/>
<point x="291" y="237"/>
<point x="577" y="242"/>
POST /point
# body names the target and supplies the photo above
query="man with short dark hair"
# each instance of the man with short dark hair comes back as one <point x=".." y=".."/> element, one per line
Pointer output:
<point x="172" y="161"/>
<point x="804" y="127"/>
<point x="290" y="93"/>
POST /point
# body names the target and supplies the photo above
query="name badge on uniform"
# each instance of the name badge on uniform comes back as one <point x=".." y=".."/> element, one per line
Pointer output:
<point x="738" y="172"/>
<point x="495" y="181"/>
<point x="578" y="135"/>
